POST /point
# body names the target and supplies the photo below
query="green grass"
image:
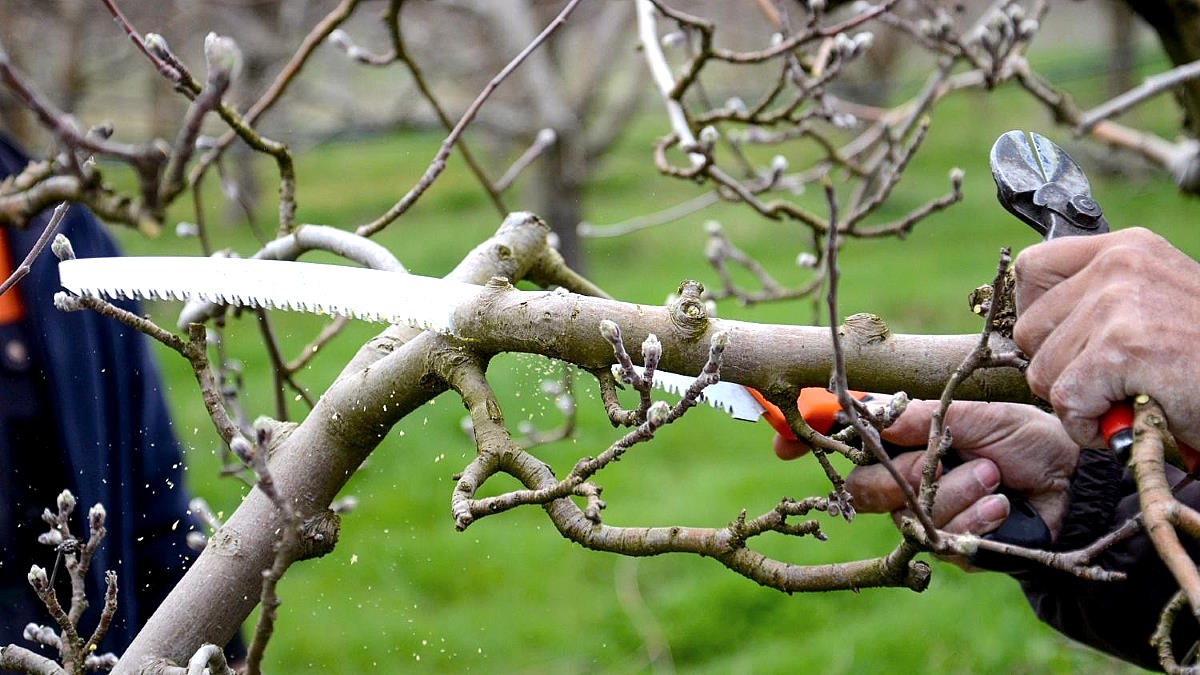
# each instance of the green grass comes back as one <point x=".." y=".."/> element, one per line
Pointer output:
<point x="404" y="591"/>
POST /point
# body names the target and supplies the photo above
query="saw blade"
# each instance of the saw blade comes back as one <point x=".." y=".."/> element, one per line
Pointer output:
<point x="727" y="396"/>
<point x="366" y="294"/>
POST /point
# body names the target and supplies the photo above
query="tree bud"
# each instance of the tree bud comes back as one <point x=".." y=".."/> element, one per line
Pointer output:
<point x="96" y="516"/>
<point x="610" y="331"/>
<point x="157" y="45"/>
<point x="222" y="56"/>
<point x="651" y="350"/>
<point x="956" y="177"/>
<point x="241" y="447"/>
<point x="50" y="538"/>
<point x="719" y="341"/>
<point x="37" y="578"/>
<point x="61" y="247"/>
<point x="658" y="413"/>
<point x="66" y="502"/>
<point x="196" y="540"/>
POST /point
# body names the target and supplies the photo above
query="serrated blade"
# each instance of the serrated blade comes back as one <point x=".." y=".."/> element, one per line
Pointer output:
<point x="369" y="295"/>
<point x="727" y="396"/>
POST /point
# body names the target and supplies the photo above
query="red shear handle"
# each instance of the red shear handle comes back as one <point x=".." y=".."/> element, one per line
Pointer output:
<point x="819" y="408"/>
<point x="1116" y="426"/>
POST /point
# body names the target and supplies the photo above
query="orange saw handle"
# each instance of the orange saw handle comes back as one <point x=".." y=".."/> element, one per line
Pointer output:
<point x="819" y="408"/>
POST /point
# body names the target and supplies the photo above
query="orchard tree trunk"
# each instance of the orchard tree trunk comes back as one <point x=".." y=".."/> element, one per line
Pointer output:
<point x="1177" y="23"/>
<point x="555" y="192"/>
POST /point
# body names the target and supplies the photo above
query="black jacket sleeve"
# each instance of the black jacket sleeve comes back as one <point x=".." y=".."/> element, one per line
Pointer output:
<point x="1115" y="617"/>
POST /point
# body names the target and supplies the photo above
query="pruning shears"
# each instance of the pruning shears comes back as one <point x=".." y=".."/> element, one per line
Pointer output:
<point x="1041" y="185"/>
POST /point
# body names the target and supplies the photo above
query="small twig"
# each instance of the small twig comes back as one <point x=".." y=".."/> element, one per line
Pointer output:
<point x="27" y="264"/>
<point x="1149" y="88"/>
<point x="438" y="165"/>
<point x="544" y="139"/>
<point x="868" y="434"/>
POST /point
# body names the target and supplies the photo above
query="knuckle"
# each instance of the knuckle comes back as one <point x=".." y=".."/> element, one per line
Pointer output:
<point x="1038" y="377"/>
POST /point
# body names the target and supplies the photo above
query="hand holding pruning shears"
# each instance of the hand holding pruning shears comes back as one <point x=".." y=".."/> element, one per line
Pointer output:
<point x="1103" y="318"/>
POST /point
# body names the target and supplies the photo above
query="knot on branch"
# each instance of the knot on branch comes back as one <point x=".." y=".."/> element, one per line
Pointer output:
<point x="688" y="312"/>
<point x="864" y="328"/>
<point x="318" y="535"/>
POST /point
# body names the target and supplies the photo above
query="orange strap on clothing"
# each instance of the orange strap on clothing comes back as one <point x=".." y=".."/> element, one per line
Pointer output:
<point x="10" y="303"/>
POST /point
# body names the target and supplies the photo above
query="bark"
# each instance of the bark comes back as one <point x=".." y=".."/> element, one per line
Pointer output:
<point x="395" y="373"/>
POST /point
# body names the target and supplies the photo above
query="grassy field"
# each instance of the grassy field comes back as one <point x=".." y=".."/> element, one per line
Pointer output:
<point x="405" y="592"/>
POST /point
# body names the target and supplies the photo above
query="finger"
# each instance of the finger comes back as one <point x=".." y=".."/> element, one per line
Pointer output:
<point x="1038" y="320"/>
<point x="985" y="515"/>
<point x="1043" y="266"/>
<point x="1054" y="351"/>
<point x="912" y="428"/>
<point x="1085" y="390"/>
<point x="875" y="491"/>
<point x="962" y="487"/>
<point x="789" y="449"/>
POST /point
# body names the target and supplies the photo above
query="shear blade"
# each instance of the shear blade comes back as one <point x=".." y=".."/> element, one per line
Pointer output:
<point x="1015" y="167"/>
<point x="1058" y="167"/>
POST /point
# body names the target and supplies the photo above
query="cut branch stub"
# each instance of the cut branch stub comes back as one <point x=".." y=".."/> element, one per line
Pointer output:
<point x="688" y="312"/>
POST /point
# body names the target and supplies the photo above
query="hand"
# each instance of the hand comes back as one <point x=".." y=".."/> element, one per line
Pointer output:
<point x="1106" y="318"/>
<point x="1020" y="446"/>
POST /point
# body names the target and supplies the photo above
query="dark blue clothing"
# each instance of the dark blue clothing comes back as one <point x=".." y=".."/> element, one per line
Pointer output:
<point x="86" y="412"/>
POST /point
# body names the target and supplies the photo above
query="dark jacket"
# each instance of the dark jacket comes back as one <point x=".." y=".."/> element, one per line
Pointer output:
<point x="104" y="431"/>
<point x="1115" y="617"/>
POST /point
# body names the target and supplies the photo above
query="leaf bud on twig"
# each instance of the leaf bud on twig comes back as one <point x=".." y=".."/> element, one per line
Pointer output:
<point x="658" y="414"/>
<point x="66" y="502"/>
<point x="956" y="178"/>
<point x="157" y="45"/>
<point x="61" y="247"/>
<point x="96" y="516"/>
<point x="37" y="578"/>
<point x="50" y="538"/>
<point x="610" y="330"/>
<point x="242" y="448"/>
<point x="222" y="55"/>
<point x="651" y="351"/>
<point x="196" y="540"/>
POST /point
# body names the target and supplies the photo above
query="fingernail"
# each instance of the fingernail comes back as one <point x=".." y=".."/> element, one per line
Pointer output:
<point x="987" y="474"/>
<point x="993" y="509"/>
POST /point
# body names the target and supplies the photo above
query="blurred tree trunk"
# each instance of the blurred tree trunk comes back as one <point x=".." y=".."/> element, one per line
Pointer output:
<point x="1177" y="23"/>
<point x="1123" y="46"/>
<point x="555" y="192"/>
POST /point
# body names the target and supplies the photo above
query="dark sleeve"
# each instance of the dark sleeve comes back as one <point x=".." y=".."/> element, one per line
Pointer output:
<point x="1114" y="617"/>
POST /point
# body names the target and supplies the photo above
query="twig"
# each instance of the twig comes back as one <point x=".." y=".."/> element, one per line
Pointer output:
<point x="1150" y="87"/>
<point x="642" y="222"/>
<point x="23" y="269"/>
<point x="438" y="165"/>
<point x="868" y="434"/>
<point x="544" y="139"/>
